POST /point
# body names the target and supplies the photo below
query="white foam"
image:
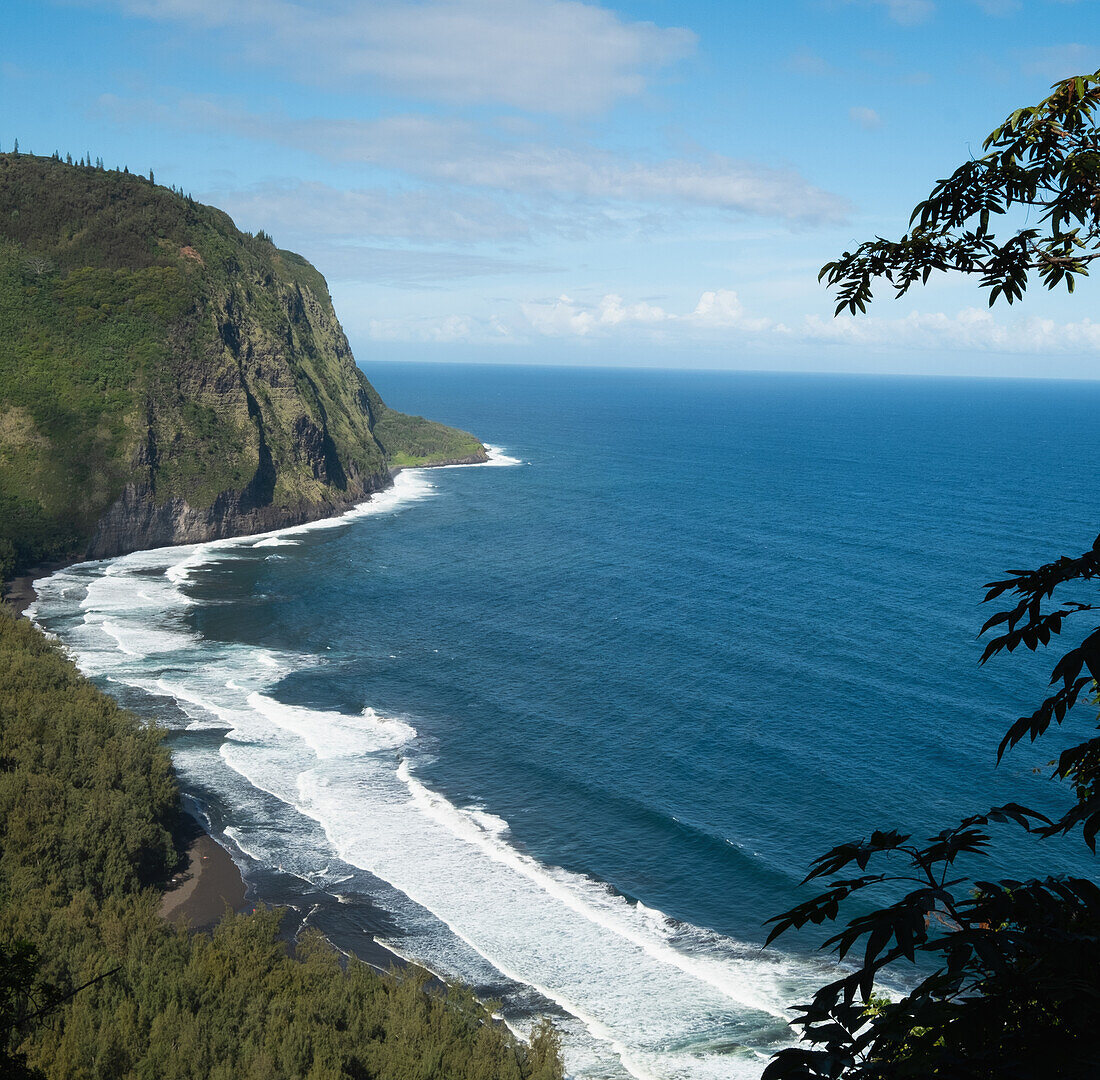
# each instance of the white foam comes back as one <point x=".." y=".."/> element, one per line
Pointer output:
<point x="181" y="571"/>
<point x="139" y="642"/>
<point x="333" y="734"/>
<point x="588" y="949"/>
<point x="598" y="905"/>
<point x="574" y="940"/>
<point x="497" y="456"/>
<point x="659" y="999"/>
<point x="267" y="658"/>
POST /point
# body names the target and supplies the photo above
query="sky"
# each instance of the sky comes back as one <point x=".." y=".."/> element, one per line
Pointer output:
<point x="555" y="181"/>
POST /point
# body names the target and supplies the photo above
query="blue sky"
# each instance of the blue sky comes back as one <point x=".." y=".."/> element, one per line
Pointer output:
<point x="550" y="181"/>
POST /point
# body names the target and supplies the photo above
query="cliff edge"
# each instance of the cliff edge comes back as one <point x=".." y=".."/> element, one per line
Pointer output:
<point x="168" y="379"/>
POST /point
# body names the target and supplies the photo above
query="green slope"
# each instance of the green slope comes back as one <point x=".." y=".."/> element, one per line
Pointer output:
<point x="166" y="378"/>
<point x="88" y="804"/>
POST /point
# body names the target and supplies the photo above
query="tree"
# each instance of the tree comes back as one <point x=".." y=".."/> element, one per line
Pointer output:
<point x="18" y="981"/>
<point x="1044" y="158"/>
<point x="1014" y="988"/>
<point x="38" y="265"/>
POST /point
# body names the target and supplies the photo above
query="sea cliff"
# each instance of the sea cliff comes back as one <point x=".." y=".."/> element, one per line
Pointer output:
<point x="166" y="378"/>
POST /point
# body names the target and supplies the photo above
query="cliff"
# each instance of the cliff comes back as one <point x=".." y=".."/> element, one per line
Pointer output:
<point x="166" y="378"/>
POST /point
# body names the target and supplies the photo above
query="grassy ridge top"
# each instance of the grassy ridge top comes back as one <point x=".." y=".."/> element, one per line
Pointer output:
<point x="146" y="341"/>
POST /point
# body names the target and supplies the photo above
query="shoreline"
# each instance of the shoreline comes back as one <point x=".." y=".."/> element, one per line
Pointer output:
<point x="449" y="463"/>
<point x="210" y="884"/>
<point x="19" y="592"/>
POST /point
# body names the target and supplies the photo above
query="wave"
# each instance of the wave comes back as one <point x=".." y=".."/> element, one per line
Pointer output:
<point x="648" y="996"/>
<point x="497" y="456"/>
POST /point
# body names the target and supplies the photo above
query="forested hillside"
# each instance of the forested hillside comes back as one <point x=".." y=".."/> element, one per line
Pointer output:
<point x="167" y="378"/>
<point x="88" y="803"/>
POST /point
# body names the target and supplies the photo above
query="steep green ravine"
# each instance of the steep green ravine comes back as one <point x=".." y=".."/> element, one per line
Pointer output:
<point x="166" y="378"/>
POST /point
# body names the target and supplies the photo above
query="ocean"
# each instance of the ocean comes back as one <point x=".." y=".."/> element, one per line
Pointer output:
<point x="571" y="726"/>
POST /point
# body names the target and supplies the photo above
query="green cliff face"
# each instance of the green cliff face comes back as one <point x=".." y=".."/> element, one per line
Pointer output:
<point x="165" y="378"/>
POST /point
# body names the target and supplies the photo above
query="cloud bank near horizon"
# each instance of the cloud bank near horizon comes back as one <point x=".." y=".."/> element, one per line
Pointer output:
<point x="720" y="318"/>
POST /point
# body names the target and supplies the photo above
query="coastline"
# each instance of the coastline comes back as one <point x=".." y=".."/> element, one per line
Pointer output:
<point x="19" y="593"/>
<point x="211" y="883"/>
<point x="449" y="463"/>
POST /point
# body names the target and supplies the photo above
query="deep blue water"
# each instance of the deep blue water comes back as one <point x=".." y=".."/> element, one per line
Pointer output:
<point x="709" y="626"/>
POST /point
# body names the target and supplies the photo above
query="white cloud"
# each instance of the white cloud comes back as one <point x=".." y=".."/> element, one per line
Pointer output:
<point x="971" y="328"/>
<point x="458" y="152"/>
<point x="719" y="318"/>
<point x="718" y="309"/>
<point x="406" y="238"/>
<point x="865" y="118"/>
<point x="316" y="210"/>
<point x="999" y="7"/>
<point x="904" y="12"/>
<point x="559" y="56"/>
<point x="716" y="181"/>
<point x="441" y="329"/>
<point x="565" y="317"/>
<point x="722" y="309"/>
<point x="1062" y="61"/>
<point x="809" y="63"/>
<point x="908" y="12"/>
<point x="413" y="268"/>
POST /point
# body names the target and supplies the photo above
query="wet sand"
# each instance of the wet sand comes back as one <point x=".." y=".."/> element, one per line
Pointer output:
<point x="209" y="884"/>
<point x="206" y="888"/>
<point x="19" y="593"/>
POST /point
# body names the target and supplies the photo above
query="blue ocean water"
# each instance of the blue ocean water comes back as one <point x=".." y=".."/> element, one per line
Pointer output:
<point x="572" y="727"/>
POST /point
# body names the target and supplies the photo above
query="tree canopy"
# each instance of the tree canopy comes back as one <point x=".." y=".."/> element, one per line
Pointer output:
<point x="1043" y="160"/>
<point x="94" y="983"/>
<point x="1006" y="973"/>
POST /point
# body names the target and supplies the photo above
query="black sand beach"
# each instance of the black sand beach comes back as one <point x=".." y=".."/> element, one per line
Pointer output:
<point x="210" y="883"/>
<point x="206" y="888"/>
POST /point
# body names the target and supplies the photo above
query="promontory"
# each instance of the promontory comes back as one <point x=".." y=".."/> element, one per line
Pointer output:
<point x="166" y="378"/>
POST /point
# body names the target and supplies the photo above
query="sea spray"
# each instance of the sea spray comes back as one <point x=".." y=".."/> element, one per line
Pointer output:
<point x="576" y="942"/>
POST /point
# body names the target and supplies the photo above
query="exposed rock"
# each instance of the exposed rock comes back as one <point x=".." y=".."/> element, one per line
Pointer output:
<point x="176" y="380"/>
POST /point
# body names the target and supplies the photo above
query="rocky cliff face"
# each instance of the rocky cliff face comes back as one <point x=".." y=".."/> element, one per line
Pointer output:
<point x="264" y="422"/>
<point x="167" y="379"/>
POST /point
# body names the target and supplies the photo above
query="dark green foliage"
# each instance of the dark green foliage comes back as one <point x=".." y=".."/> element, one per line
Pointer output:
<point x="8" y="555"/>
<point x="1014" y="992"/>
<point x="74" y="346"/>
<point x="411" y="440"/>
<point x="87" y="803"/>
<point x="1044" y="158"/>
<point x="1014" y="989"/>
<point x="87" y="795"/>
<point x="18" y="985"/>
<point x="28" y="535"/>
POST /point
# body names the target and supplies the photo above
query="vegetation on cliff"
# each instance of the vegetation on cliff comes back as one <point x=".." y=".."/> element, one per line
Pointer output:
<point x="166" y="378"/>
<point x="87" y="807"/>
